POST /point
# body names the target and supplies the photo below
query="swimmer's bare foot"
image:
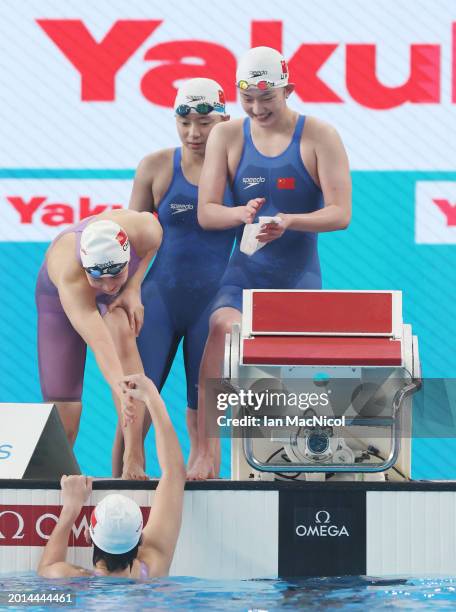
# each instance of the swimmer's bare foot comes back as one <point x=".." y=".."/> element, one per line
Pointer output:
<point x="133" y="469"/>
<point x="203" y="468"/>
<point x="193" y="456"/>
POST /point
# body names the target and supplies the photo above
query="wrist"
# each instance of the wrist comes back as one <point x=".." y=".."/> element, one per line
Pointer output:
<point x="70" y="511"/>
<point x="287" y="220"/>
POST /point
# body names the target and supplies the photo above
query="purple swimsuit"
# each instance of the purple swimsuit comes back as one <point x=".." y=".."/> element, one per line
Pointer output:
<point x="61" y="350"/>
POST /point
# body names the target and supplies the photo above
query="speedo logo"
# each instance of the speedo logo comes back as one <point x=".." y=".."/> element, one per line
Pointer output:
<point x="251" y="181"/>
<point x="180" y="208"/>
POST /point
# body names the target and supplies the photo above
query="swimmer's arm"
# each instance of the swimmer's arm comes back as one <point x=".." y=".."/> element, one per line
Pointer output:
<point x="75" y="491"/>
<point x="52" y="563"/>
<point x="211" y="212"/>
<point x="146" y="239"/>
<point x="80" y="307"/>
<point x="163" y="526"/>
<point x="335" y="181"/>
<point x="142" y="197"/>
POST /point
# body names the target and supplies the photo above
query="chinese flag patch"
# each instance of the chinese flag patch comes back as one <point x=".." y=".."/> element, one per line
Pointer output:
<point x="286" y="182"/>
<point x="121" y="237"/>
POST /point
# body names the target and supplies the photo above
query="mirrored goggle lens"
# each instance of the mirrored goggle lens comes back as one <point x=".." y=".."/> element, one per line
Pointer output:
<point x="97" y="271"/>
<point x="203" y="109"/>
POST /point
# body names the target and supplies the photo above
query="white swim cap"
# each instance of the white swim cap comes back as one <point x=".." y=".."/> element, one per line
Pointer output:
<point x="104" y="244"/>
<point x="201" y="96"/>
<point x="263" y="68"/>
<point x="116" y="524"/>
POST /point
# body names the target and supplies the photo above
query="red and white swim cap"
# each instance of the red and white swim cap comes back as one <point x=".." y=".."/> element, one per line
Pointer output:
<point x="104" y="243"/>
<point x="116" y="524"/>
<point x="263" y="68"/>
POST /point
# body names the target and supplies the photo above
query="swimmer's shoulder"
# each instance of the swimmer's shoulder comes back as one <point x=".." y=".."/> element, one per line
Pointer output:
<point x="155" y="164"/>
<point x="318" y="131"/>
<point x="228" y="132"/>
<point x="142" y="227"/>
<point x="62" y="263"/>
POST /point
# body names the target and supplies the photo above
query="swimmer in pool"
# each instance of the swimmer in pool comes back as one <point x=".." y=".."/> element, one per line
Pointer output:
<point x="279" y="164"/>
<point x="121" y="546"/>
<point x="88" y="293"/>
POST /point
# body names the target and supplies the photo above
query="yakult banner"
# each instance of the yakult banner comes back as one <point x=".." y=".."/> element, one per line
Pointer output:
<point x="37" y="209"/>
<point x="91" y="84"/>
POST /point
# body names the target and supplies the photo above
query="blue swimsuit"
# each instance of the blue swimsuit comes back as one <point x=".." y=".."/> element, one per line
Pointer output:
<point x="291" y="261"/>
<point x="181" y="284"/>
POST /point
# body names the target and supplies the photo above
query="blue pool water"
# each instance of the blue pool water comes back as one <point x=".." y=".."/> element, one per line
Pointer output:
<point x="347" y="593"/>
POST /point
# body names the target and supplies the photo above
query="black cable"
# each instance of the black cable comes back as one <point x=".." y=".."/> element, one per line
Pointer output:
<point x="282" y="475"/>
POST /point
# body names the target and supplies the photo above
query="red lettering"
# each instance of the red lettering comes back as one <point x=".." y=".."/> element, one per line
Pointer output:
<point x="58" y="214"/>
<point x="86" y="211"/>
<point x="98" y="62"/>
<point x="266" y="34"/>
<point x="26" y="209"/>
<point x="448" y="209"/>
<point x="423" y="85"/>
<point x="216" y="63"/>
<point x="304" y="66"/>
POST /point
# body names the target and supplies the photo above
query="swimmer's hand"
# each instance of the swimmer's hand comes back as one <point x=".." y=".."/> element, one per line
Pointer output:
<point x="136" y="387"/>
<point x="272" y="231"/>
<point x="127" y="408"/>
<point x="246" y="214"/>
<point x="76" y="491"/>
<point x="130" y="300"/>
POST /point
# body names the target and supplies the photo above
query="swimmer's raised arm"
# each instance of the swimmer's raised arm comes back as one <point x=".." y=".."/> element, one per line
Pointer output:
<point x="211" y="212"/>
<point x="76" y="491"/>
<point x="162" y="529"/>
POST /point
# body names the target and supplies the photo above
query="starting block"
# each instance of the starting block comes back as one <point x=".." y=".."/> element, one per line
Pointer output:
<point x="348" y="348"/>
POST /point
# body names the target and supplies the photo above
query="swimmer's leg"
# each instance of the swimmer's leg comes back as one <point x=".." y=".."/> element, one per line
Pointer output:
<point x="207" y="462"/>
<point x="157" y="344"/>
<point x="193" y="349"/>
<point x="118" y="447"/>
<point x="125" y="342"/>
<point x="61" y="359"/>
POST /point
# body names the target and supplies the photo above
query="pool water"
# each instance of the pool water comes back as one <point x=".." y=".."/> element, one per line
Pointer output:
<point x="346" y="593"/>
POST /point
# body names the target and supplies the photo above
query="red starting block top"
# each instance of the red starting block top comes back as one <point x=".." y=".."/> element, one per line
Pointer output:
<point x="334" y="328"/>
<point x="321" y="350"/>
<point x="363" y="313"/>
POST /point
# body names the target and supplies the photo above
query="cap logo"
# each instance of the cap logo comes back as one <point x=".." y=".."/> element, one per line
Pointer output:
<point x="257" y="73"/>
<point x="93" y="519"/>
<point x="284" y="67"/>
<point x="195" y="98"/>
<point x="221" y="96"/>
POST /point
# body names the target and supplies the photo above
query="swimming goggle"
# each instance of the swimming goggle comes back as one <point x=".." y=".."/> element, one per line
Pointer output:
<point x="263" y="85"/>
<point x="112" y="270"/>
<point x="203" y="108"/>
